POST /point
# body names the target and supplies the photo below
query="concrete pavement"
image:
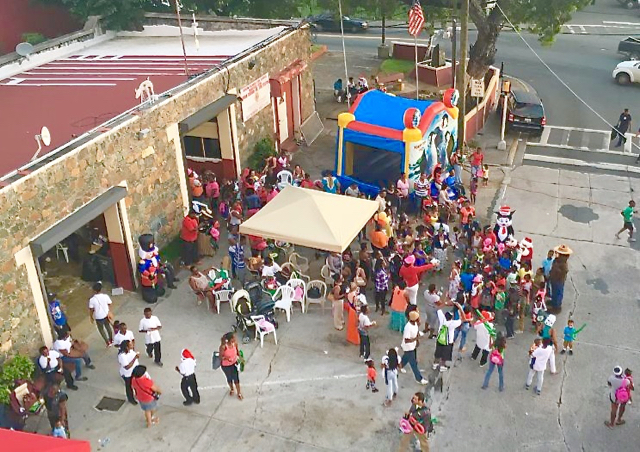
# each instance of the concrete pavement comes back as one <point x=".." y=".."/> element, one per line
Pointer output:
<point x="582" y="210"/>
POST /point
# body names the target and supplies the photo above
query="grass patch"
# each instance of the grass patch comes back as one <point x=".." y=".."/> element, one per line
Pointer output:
<point x="171" y="252"/>
<point x="315" y="48"/>
<point x="393" y="65"/>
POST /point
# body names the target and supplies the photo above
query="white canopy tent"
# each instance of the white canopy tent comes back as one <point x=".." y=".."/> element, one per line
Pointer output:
<point x="311" y="218"/>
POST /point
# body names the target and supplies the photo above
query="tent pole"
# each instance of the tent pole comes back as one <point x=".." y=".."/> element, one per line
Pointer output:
<point x="344" y="57"/>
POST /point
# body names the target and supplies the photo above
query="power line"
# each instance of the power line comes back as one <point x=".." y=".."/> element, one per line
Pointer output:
<point x="556" y="75"/>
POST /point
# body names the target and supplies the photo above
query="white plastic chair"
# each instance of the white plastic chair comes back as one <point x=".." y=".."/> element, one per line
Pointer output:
<point x="322" y="287"/>
<point x="283" y="299"/>
<point x="284" y="178"/>
<point x="222" y="296"/>
<point x="301" y="295"/>
<point x="60" y="248"/>
<point x="263" y="327"/>
<point x="299" y="261"/>
<point x="325" y="272"/>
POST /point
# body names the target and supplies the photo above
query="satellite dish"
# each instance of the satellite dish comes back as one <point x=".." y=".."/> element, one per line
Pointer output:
<point x="24" y="49"/>
<point x="43" y="138"/>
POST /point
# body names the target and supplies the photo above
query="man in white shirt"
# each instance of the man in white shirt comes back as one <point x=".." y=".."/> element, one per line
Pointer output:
<point x="73" y="351"/>
<point x="409" y="344"/>
<point x="99" y="312"/>
<point x="364" y="323"/>
<point x="123" y="334"/>
<point x="128" y="360"/>
<point x="270" y="268"/>
<point x="542" y="355"/>
<point x="444" y="342"/>
<point x="151" y="326"/>
<point x="432" y="298"/>
<point x="483" y="337"/>
<point x="189" y="384"/>
<point x="381" y="199"/>
<point x="50" y="361"/>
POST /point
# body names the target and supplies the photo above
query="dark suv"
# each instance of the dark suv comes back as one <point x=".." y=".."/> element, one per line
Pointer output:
<point x="525" y="111"/>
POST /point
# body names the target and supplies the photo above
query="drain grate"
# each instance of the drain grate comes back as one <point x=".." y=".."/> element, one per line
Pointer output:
<point x="109" y="404"/>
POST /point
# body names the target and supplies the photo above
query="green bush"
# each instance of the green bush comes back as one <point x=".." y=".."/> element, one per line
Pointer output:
<point x="33" y="38"/>
<point x="20" y="367"/>
<point x="263" y="149"/>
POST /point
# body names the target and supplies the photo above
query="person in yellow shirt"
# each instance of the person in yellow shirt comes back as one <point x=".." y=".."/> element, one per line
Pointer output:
<point x="525" y="269"/>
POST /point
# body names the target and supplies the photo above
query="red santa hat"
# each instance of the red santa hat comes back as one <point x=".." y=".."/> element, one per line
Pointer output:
<point x="186" y="354"/>
<point x="527" y="242"/>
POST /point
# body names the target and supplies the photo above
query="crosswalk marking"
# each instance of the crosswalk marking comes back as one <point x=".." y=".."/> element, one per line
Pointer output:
<point x="579" y="139"/>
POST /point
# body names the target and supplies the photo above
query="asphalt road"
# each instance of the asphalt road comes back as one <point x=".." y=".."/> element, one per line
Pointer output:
<point x="583" y="61"/>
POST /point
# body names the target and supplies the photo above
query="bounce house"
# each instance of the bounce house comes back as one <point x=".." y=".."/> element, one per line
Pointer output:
<point x="384" y="135"/>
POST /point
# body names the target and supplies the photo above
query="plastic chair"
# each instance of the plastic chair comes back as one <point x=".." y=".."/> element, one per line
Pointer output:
<point x="284" y="178"/>
<point x="326" y="275"/>
<point x="60" y="248"/>
<point x="263" y="327"/>
<point x="299" y="291"/>
<point x="322" y="287"/>
<point x="283" y="299"/>
<point x="299" y="261"/>
<point x="222" y="296"/>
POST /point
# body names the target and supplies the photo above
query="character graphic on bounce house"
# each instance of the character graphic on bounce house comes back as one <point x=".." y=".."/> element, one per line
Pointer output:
<point x="384" y="135"/>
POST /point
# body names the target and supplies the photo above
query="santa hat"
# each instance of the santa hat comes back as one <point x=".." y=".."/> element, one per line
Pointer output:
<point x="487" y="316"/>
<point x="410" y="259"/>
<point x="527" y="242"/>
<point x="186" y="354"/>
<point x="477" y="279"/>
<point x="504" y="211"/>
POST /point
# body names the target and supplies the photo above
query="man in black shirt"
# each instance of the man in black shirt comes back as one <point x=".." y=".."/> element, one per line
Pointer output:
<point x="623" y="125"/>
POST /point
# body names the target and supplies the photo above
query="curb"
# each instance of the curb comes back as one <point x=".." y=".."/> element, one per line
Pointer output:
<point x="318" y="53"/>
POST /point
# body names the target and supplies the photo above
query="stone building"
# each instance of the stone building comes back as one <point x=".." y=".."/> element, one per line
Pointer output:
<point x="127" y="176"/>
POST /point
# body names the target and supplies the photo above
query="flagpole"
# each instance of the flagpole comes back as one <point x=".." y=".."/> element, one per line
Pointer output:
<point x="415" y="42"/>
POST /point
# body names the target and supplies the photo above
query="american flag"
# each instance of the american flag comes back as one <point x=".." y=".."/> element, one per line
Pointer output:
<point x="416" y="19"/>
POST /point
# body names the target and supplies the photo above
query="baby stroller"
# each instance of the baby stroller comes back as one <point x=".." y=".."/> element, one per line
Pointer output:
<point x="262" y="302"/>
<point x="244" y="308"/>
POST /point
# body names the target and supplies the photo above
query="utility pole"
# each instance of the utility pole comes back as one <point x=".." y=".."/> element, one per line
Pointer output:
<point x="462" y="70"/>
<point x="454" y="36"/>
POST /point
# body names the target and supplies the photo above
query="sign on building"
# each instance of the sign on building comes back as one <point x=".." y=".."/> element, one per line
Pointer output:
<point x="255" y="97"/>
<point x="477" y="88"/>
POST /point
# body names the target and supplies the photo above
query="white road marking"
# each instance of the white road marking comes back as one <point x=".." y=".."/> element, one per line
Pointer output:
<point x="290" y="381"/>
<point x="581" y="163"/>
<point x="570" y="29"/>
<point x="582" y="29"/>
<point x="620" y="23"/>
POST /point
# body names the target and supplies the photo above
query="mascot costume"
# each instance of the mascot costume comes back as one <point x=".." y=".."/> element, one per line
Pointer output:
<point x="558" y="276"/>
<point x="525" y="252"/>
<point x="503" y="228"/>
<point x="154" y="275"/>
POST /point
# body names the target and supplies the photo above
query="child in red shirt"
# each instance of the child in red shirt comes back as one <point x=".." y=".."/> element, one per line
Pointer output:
<point x="371" y="375"/>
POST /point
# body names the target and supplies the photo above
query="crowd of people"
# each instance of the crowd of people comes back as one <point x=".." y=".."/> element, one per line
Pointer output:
<point x="428" y="226"/>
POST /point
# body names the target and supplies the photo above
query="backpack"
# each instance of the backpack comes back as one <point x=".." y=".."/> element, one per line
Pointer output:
<point x="496" y="357"/>
<point x="622" y="393"/>
<point x="215" y="360"/>
<point x="443" y="335"/>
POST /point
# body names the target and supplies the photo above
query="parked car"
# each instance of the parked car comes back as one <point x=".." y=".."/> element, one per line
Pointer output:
<point x="627" y="72"/>
<point x="629" y="3"/>
<point x="525" y="111"/>
<point x="630" y="48"/>
<point x="331" y="22"/>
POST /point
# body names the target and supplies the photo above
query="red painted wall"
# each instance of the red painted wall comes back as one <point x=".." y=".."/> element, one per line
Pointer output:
<point x="29" y="16"/>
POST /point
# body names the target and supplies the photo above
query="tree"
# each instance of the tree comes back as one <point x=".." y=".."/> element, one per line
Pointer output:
<point x="116" y="14"/>
<point x="543" y="17"/>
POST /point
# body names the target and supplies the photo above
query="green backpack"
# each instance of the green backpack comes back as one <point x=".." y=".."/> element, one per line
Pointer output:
<point x="443" y="335"/>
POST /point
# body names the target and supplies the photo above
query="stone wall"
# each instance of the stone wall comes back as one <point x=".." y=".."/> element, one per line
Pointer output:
<point x="36" y="202"/>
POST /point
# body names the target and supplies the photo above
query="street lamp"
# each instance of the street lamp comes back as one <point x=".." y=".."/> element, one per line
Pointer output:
<point x="505" y="90"/>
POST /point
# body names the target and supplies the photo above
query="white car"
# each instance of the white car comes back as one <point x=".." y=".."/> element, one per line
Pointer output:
<point x="627" y="72"/>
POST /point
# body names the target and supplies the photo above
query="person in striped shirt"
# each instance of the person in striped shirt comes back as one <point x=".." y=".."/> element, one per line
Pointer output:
<point x="382" y="285"/>
<point x="421" y="189"/>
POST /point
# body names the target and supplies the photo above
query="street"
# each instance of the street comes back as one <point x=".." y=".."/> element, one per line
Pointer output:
<point x="583" y="61"/>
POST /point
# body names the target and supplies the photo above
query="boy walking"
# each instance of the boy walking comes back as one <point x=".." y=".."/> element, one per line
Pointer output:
<point x="151" y="326"/>
<point x="99" y="313"/>
<point x="569" y="335"/>
<point x="627" y="215"/>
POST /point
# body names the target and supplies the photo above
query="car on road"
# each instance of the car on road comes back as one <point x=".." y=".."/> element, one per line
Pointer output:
<point x="627" y="72"/>
<point x="630" y="48"/>
<point x="331" y="22"/>
<point x="629" y="4"/>
<point x="525" y="111"/>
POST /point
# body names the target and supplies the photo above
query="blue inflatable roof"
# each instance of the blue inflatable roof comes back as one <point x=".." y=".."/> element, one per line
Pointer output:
<point x="381" y="109"/>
